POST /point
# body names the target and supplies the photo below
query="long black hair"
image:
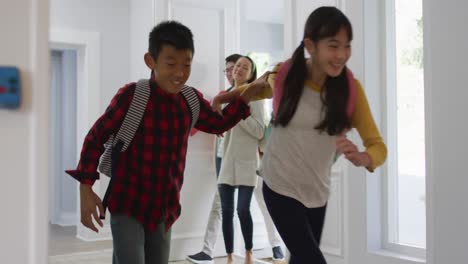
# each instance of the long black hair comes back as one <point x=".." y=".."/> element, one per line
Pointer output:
<point x="322" y="23"/>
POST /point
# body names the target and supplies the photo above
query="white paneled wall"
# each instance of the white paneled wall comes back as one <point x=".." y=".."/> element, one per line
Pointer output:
<point x="142" y="20"/>
<point x="445" y="87"/>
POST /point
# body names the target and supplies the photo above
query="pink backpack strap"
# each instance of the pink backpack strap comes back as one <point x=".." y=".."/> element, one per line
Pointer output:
<point x="352" y="93"/>
<point x="279" y="84"/>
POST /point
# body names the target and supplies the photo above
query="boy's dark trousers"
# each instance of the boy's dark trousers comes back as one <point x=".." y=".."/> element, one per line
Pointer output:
<point x="134" y="244"/>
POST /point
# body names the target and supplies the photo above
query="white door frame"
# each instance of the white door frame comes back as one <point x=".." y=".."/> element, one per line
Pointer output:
<point x="58" y="99"/>
<point x="87" y="46"/>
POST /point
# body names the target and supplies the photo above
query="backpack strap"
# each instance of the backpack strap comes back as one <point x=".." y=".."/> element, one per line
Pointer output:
<point x="194" y="103"/>
<point x="128" y="128"/>
<point x="279" y="83"/>
<point x="125" y="135"/>
<point x="134" y="115"/>
<point x="279" y="86"/>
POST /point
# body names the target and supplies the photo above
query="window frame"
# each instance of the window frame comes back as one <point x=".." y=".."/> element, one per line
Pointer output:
<point x="390" y="208"/>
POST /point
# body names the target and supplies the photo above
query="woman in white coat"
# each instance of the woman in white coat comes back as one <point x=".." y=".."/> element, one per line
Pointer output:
<point x="240" y="162"/>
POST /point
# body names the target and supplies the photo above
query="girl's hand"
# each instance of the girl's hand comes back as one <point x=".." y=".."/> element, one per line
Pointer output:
<point x="352" y="153"/>
<point x="216" y="105"/>
<point x="255" y="87"/>
<point x="224" y="98"/>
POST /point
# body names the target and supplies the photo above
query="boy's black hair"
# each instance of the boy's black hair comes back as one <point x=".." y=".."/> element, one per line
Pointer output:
<point x="171" y="33"/>
<point x="233" y="58"/>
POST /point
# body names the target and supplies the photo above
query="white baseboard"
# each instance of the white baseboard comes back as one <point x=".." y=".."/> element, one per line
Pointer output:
<point x="334" y="259"/>
<point x="88" y="235"/>
<point x="260" y="241"/>
<point x="67" y="219"/>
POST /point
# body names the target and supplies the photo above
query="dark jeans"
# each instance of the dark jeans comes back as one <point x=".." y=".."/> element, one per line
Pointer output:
<point x="300" y="227"/>
<point x="244" y="197"/>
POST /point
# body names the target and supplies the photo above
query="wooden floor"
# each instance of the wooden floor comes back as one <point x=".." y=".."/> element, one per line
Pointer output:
<point x="63" y="241"/>
<point x="65" y="248"/>
<point x="105" y="257"/>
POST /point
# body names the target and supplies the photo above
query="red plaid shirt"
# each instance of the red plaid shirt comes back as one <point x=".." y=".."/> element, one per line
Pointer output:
<point x="149" y="174"/>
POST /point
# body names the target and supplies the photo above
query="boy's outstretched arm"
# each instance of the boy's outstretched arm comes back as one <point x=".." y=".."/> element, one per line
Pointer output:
<point x="213" y="122"/>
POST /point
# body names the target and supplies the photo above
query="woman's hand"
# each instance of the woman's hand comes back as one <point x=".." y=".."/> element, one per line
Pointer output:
<point x="352" y="153"/>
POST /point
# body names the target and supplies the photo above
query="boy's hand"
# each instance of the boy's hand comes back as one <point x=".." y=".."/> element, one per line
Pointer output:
<point x="351" y="152"/>
<point x="89" y="200"/>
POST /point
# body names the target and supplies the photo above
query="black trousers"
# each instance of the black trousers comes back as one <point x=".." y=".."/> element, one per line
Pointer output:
<point x="300" y="227"/>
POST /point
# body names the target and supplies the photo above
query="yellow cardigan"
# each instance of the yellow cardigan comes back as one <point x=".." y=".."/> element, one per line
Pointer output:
<point x="362" y="120"/>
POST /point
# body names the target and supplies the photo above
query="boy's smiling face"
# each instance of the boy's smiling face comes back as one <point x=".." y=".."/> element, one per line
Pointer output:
<point x="171" y="68"/>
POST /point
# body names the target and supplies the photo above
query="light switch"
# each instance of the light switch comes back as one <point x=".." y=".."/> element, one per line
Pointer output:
<point x="10" y="89"/>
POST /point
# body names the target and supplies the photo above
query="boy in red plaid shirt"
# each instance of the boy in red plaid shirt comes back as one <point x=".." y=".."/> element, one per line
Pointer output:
<point x="147" y="177"/>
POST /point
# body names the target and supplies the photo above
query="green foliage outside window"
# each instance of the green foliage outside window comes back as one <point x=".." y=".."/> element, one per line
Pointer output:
<point x="414" y="55"/>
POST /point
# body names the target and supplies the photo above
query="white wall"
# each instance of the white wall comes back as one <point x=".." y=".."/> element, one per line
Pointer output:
<point x="445" y="42"/>
<point x="262" y="37"/>
<point x="262" y="31"/>
<point x="23" y="192"/>
<point x="109" y="18"/>
<point x="142" y="20"/>
<point x="267" y="11"/>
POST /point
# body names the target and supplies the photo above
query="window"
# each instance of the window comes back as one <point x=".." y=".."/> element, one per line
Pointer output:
<point x="405" y="213"/>
<point x="263" y="61"/>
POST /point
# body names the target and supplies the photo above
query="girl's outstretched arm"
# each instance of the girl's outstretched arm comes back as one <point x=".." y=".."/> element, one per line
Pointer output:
<point x="247" y="92"/>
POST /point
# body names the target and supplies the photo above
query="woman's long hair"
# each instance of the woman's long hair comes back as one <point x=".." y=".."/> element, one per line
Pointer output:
<point x="253" y="72"/>
<point x="322" y="23"/>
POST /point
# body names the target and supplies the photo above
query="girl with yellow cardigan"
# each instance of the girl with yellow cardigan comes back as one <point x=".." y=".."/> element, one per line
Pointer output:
<point x="309" y="129"/>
